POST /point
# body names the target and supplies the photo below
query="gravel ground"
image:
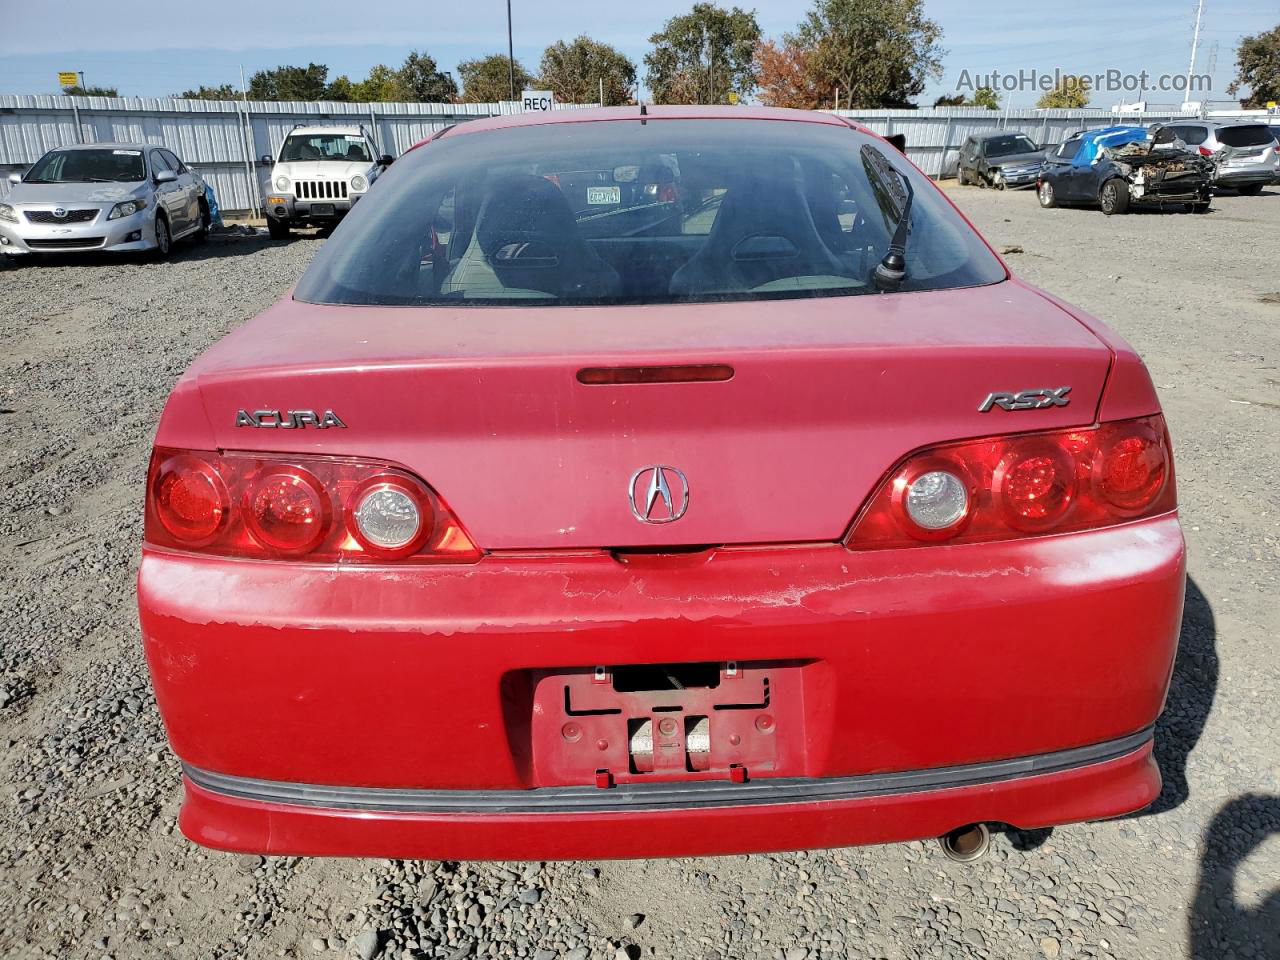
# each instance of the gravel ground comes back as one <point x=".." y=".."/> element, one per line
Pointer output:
<point x="91" y="863"/>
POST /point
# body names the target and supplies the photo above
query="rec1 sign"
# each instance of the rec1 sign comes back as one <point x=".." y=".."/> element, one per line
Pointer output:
<point x="537" y="100"/>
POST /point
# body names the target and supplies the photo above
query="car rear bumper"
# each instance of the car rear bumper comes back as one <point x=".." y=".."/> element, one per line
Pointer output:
<point x="401" y="712"/>
<point x="1245" y="176"/>
<point x="695" y="819"/>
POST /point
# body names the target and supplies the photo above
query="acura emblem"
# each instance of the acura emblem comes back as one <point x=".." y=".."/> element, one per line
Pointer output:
<point x="658" y="494"/>
<point x="59" y="212"/>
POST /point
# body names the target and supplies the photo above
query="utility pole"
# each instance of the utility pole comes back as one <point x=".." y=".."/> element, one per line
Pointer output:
<point x="1195" y="44"/>
<point x="511" y="54"/>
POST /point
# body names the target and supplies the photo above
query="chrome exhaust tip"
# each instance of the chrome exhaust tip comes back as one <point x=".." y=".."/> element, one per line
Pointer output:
<point x="966" y="844"/>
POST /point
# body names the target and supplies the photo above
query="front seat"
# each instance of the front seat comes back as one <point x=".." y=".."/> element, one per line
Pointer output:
<point x="763" y="233"/>
<point x="526" y="243"/>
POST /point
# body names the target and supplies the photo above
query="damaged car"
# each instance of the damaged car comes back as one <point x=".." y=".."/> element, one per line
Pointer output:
<point x="1117" y="167"/>
<point x="999" y="160"/>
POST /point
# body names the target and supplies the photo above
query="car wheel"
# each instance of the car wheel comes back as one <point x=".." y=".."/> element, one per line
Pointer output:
<point x="997" y="180"/>
<point x="164" y="239"/>
<point x="1249" y="189"/>
<point x="1202" y="207"/>
<point x="278" y="230"/>
<point x="1044" y="191"/>
<point x="1114" y="197"/>
<point x="202" y="235"/>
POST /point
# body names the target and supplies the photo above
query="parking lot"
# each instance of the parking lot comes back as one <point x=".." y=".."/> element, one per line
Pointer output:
<point x="91" y="863"/>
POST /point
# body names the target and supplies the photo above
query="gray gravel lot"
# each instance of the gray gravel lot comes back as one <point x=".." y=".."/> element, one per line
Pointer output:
<point x="91" y="863"/>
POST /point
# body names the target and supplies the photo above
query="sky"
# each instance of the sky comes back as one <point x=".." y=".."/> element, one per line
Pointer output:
<point x="159" y="49"/>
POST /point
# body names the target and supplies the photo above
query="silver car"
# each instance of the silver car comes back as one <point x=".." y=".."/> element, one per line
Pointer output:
<point x="103" y="196"/>
<point x="1247" y="155"/>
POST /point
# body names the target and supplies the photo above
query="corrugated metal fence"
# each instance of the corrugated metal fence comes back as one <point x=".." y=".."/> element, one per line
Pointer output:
<point x="224" y="139"/>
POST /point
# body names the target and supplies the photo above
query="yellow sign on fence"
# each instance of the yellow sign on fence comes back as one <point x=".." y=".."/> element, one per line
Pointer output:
<point x="68" y="78"/>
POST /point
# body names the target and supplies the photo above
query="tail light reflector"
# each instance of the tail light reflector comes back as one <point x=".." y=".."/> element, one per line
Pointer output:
<point x="999" y="488"/>
<point x="319" y="509"/>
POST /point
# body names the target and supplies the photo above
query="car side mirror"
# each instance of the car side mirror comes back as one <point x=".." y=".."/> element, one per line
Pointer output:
<point x="165" y="176"/>
<point x="15" y="178"/>
<point x="386" y="160"/>
<point x="266" y="160"/>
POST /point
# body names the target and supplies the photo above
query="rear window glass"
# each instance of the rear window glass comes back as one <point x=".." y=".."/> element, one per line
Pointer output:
<point x="1258" y="135"/>
<point x="1192" y="136"/>
<point x="107" y="165"/>
<point x="325" y="146"/>
<point x="625" y="212"/>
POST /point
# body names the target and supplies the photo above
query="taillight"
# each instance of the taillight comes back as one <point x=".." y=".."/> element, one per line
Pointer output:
<point x="1205" y="152"/>
<point x="999" y="488"/>
<point x="318" y="509"/>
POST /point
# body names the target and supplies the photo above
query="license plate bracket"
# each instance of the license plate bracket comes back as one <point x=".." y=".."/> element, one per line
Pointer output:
<point x="322" y="209"/>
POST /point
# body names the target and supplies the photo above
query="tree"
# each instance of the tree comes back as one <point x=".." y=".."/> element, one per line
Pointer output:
<point x="79" y="91"/>
<point x="704" y="56"/>
<point x="953" y="101"/>
<point x="876" y="53"/>
<point x="783" y="75"/>
<point x="484" y="80"/>
<point x="381" y="86"/>
<point x="341" y="89"/>
<point x="1258" y="68"/>
<point x="223" y="92"/>
<point x="423" y="82"/>
<point x="986" y="97"/>
<point x="573" y="71"/>
<point x="290" y="83"/>
<point x="1069" y="93"/>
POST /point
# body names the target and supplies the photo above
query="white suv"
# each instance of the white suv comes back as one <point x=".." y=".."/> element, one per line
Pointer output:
<point x="318" y="175"/>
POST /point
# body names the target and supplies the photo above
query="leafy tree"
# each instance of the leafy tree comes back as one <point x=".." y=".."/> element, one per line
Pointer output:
<point x="290" y="83"/>
<point x="79" y="91"/>
<point x="223" y="92"/>
<point x="953" y="101"/>
<point x="986" y="97"/>
<point x="484" y="80"/>
<point x="1258" y="68"/>
<point x="422" y="81"/>
<point x="704" y="56"/>
<point x="879" y="53"/>
<point x="1069" y="93"/>
<point x="783" y="76"/>
<point x="381" y="86"/>
<point x="341" y="89"/>
<point x="573" y="71"/>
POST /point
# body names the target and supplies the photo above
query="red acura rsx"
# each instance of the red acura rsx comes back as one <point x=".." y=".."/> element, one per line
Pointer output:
<point x="628" y="483"/>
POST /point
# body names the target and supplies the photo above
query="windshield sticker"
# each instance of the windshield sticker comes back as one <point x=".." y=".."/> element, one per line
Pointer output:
<point x="127" y="153"/>
<point x="602" y="195"/>
<point x="350" y="139"/>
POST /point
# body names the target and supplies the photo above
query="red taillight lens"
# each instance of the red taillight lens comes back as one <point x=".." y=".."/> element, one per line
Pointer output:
<point x="318" y="509"/>
<point x="188" y="498"/>
<point x="1050" y="482"/>
<point x="1205" y="152"/>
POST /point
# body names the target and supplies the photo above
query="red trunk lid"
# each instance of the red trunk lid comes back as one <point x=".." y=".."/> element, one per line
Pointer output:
<point x="485" y="404"/>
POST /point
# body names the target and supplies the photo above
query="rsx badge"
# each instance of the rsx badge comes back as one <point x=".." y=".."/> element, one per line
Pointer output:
<point x="1027" y="399"/>
<point x="289" y="420"/>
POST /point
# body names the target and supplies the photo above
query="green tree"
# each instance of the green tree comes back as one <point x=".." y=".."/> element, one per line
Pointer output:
<point x="381" y="86"/>
<point x="704" y="56"/>
<point x="341" y="89"/>
<point x="986" y="97"/>
<point x="1069" y="93"/>
<point x="956" y="100"/>
<point x="223" y="92"/>
<point x="422" y="81"/>
<point x="1258" y="69"/>
<point x="290" y="83"/>
<point x="877" y="53"/>
<point x="484" y="80"/>
<point x="573" y="71"/>
<point x="79" y="91"/>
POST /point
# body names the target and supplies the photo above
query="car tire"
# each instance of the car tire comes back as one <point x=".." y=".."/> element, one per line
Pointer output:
<point x="1113" y="198"/>
<point x="1249" y="189"/>
<point x="1046" y="195"/>
<point x="202" y="235"/>
<point x="164" y="239"/>
<point x="1202" y="207"/>
<point x="277" y="229"/>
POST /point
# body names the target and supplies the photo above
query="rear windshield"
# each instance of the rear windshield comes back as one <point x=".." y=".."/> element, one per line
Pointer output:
<point x="1009" y="145"/>
<point x="1254" y="135"/>
<point x="630" y="212"/>
<point x="88" y="166"/>
<point x="325" y="146"/>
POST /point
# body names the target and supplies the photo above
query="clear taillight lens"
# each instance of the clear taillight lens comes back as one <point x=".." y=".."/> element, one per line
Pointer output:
<point x="999" y="488"/>
<point x="320" y="509"/>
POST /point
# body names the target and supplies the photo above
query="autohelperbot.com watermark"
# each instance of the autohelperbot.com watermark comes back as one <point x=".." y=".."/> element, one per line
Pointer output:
<point x="1109" y="81"/>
